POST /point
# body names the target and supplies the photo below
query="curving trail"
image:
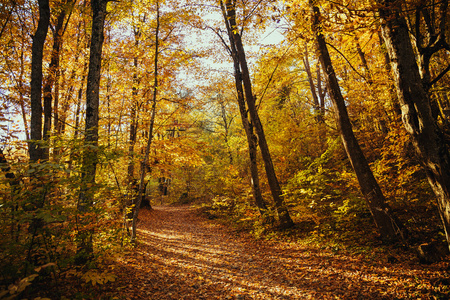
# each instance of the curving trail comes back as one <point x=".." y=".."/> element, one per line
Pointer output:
<point x="182" y="255"/>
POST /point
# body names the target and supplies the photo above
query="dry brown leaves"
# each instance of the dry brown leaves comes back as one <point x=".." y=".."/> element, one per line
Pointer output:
<point x="184" y="256"/>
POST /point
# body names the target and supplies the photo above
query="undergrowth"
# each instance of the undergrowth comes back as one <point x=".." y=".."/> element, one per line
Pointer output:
<point x="345" y="228"/>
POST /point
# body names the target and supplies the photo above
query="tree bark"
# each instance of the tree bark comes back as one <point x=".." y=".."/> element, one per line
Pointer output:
<point x="37" y="52"/>
<point x="251" y="138"/>
<point x="388" y="226"/>
<point x="277" y="194"/>
<point x="90" y="158"/>
<point x="248" y="127"/>
<point x="58" y="33"/>
<point x="427" y="138"/>
<point x="133" y="111"/>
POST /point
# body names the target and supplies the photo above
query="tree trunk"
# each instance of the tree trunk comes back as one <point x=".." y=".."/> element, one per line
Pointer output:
<point x="427" y="138"/>
<point x="318" y="100"/>
<point x="249" y="132"/>
<point x="277" y="194"/>
<point x="316" y="105"/>
<point x="89" y="164"/>
<point x="388" y="226"/>
<point x="133" y="111"/>
<point x="37" y="52"/>
<point x="79" y="100"/>
<point x="145" y="162"/>
<point x="58" y="33"/>
<point x="21" y="90"/>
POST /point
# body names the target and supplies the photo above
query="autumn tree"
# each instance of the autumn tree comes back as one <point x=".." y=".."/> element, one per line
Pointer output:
<point x="248" y="126"/>
<point x="90" y="155"/>
<point x="35" y="150"/>
<point x="428" y="139"/>
<point x="52" y="79"/>
<point x="229" y="15"/>
<point x="388" y="226"/>
<point x="145" y="161"/>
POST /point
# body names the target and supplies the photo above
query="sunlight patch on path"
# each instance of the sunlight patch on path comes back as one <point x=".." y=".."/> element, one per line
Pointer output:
<point x="183" y="256"/>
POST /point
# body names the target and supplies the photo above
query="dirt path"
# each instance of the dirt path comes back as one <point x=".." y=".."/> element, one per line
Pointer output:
<point x="185" y="256"/>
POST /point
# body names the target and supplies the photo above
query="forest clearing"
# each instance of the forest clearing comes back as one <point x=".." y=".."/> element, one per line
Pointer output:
<point x="227" y="149"/>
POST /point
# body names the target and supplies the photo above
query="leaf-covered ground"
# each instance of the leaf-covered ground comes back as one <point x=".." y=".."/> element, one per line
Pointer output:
<point x="182" y="255"/>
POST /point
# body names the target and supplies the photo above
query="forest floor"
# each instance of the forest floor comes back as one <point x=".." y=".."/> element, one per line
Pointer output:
<point x="183" y="255"/>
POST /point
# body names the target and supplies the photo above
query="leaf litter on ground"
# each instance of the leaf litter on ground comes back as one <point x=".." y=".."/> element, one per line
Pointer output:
<point x="183" y="255"/>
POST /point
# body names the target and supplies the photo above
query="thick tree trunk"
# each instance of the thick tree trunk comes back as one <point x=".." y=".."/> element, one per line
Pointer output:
<point x="277" y="194"/>
<point x="89" y="164"/>
<point x="35" y="148"/>
<point x="427" y="138"/>
<point x="388" y="226"/>
<point x="37" y="52"/>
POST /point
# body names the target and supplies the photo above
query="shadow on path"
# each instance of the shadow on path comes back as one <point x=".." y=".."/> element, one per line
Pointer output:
<point x="184" y="256"/>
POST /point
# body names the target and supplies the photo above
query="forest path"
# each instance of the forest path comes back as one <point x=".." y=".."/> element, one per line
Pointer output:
<point x="182" y="255"/>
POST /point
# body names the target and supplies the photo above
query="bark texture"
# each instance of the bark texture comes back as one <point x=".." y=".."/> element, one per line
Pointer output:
<point x="89" y="167"/>
<point x="427" y="138"/>
<point x="52" y="77"/>
<point x="37" y="52"/>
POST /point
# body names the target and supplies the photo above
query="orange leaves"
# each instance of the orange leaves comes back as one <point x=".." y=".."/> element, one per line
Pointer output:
<point x="182" y="256"/>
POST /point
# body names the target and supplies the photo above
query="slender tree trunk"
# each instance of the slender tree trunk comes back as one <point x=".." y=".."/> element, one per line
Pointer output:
<point x="133" y="112"/>
<point x="248" y="128"/>
<point x="388" y="226"/>
<point x="21" y="90"/>
<point x="132" y="140"/>
<point x="145" y="161"/>
<point x="277" y="194"/>
<point x="427" y="138"/>
<point x="226" y="126"/>
<point x="60" y="124"/>
<point x="318" y="100"/>
<point x="251" y="141"/>
<point x="316" y="105"/>
<point x="79" y="100"/>
<point x="37" y="52"/>
<point x="362" y="57"/>
<point x="90" y="158"/>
